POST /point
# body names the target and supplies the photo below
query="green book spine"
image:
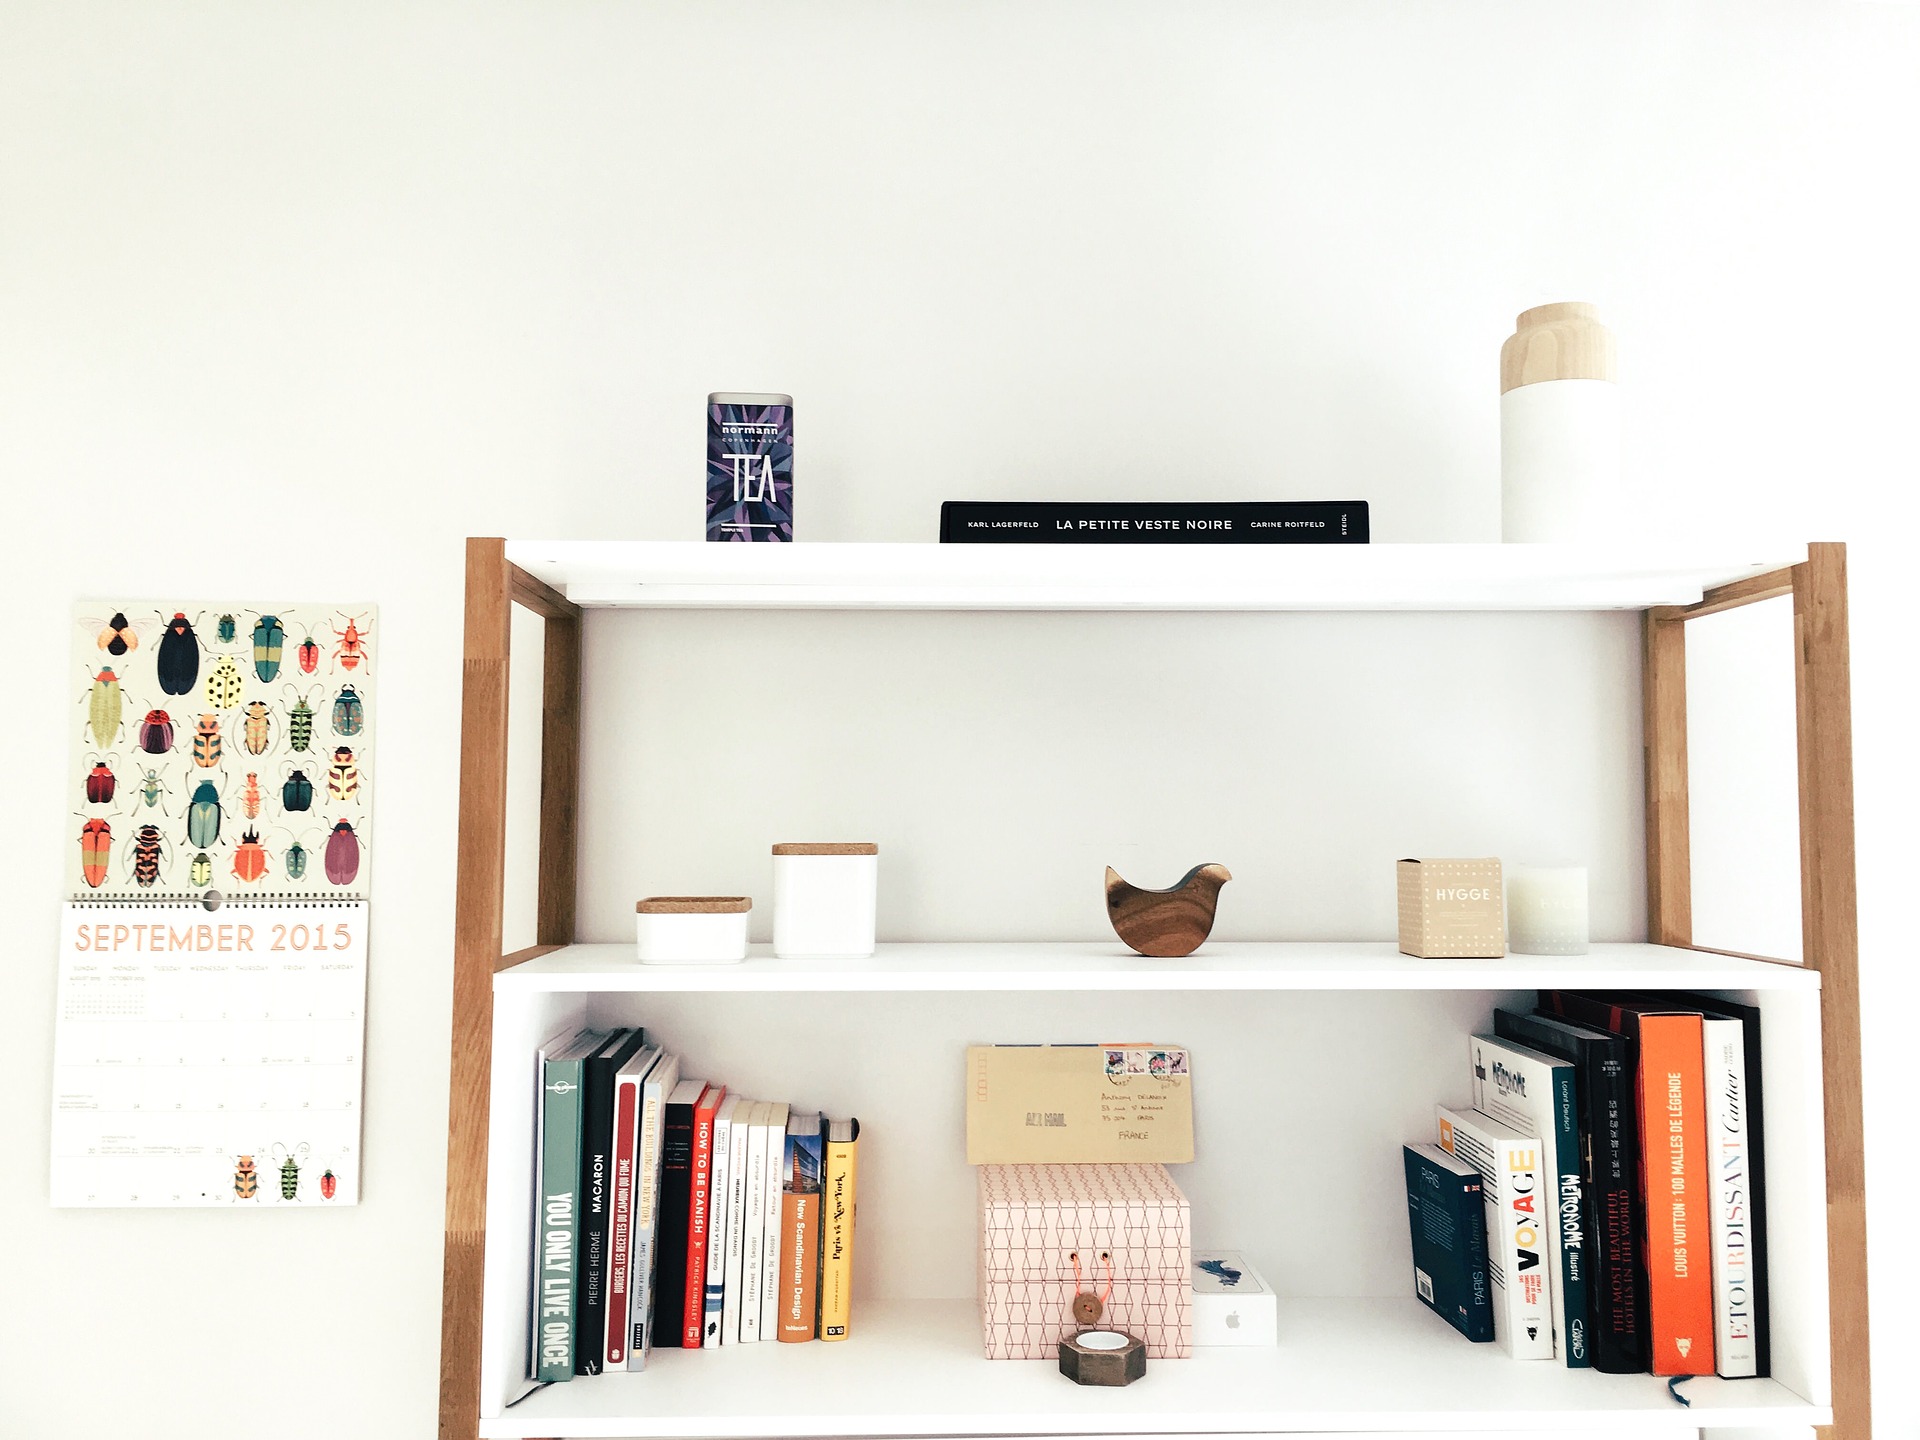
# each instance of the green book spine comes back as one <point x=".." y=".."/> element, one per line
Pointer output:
<point x="559" y="1272"/>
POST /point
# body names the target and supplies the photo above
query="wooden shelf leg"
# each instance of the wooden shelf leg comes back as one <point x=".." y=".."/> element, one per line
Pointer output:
<point x="1830" y="933"/>
<point x="480" y="892"/>
<point x="1669" y="856"/>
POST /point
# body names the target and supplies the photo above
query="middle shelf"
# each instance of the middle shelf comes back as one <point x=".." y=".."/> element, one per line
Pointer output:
<point x="1108" y="966"/>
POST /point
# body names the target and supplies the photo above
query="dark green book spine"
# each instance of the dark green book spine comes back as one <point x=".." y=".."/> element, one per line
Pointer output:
<point x="1447" y="1215"/>
<point x="559" y="1219"/>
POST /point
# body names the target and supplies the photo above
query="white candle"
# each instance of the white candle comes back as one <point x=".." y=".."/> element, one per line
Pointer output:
<point x="1547" y="910"/>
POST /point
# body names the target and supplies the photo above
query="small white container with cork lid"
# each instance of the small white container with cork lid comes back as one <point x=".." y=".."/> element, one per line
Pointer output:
<point x="693" y="929"/>
<point x="1560" y="478"/>
<point x="824" y="898"/>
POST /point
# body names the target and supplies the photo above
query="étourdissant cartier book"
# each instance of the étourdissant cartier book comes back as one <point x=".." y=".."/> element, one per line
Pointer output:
<point x="1184" y="522"/>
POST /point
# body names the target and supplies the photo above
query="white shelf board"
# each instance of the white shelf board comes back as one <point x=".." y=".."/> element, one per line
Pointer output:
<point x="1107" y="965"/>
<point x="825" y="576"/>
<point x="914" y="1368"/>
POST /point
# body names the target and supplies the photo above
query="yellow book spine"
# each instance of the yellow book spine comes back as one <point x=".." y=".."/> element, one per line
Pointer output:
<point x="836" y="1238"/>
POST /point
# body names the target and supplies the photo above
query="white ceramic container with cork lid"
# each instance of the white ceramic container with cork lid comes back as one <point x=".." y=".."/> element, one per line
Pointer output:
<point x="693" y="929"/>
<point x="824" y="897"/>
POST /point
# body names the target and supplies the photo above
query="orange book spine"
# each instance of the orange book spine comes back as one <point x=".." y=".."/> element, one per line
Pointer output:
<point x="1673" y="1137"/>
<point x="799" y="1264"/>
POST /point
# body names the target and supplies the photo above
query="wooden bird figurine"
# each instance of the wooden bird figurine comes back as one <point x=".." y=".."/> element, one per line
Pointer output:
<point x="1166" y="923"/>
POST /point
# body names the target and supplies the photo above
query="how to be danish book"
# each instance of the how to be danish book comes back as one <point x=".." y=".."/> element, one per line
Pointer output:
<point x="1176" y="522"/>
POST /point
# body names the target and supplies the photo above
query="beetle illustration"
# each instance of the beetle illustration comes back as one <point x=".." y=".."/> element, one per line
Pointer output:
<point x="148" y="854"/>
<point x="296" y="792"/>
<point x="201" y="871"/>
<point x="351" y="646"/>
<point x="349" y="716"/>
<point x="327" y="1184"/>
<point x="307" y="654"/>
<point x="343" y="854"/>
<point x="299" y="721"/>
<point x="227" y="630"/>
<point x="343" y="776"/>
<point x="223" y="684"/>
<point x="256" y="731"/>
<point x="178" y="658"/>
<point x="203" y="816"/>
<point x="268" y="636"/>
<point x="117" y="635"/>
<point x="296" y="861"/>
<point x="156" y="733"/>
<point x="289" y="1161"/>
<point x="96" y="845"/>
<point x="103" y="708"/>
<point x="246" y="1180"/>
<point x="206" y="741"/>
<point x="250" y="797"/>
<point x="151" y="788"/>
<point x="249" y="857"/>
<point x="100" y="784"/>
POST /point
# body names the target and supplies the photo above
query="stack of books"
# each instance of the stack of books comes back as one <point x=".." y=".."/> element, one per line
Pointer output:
<point x="673" y="1213"/>
<point x="1603" y="1199"/>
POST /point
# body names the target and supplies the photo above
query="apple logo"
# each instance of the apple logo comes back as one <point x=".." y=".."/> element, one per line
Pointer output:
<point x="1233" y="1319"/>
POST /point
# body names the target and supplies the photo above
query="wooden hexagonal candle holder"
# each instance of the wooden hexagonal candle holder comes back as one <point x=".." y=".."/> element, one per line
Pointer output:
<point x="1103" y="1357"/>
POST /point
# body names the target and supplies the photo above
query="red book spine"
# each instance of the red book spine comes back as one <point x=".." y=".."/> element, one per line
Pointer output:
<point x="626" y="1110"/>
<point x="694" y="1314"/>
<point x="1679" y="1193"/>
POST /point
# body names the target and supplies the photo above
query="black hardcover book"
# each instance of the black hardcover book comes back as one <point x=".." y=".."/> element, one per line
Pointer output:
<point x="596" y="1195"/>
<point x="1604" y="1078"/>
<point x="1749" y="1018"/>
<point x="1446" y="1211"/>
<point x="676" y="1199"/>
<point x="1174" y="522"/>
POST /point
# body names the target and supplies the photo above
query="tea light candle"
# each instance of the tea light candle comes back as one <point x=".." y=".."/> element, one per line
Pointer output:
<point x="1547" y="910"/>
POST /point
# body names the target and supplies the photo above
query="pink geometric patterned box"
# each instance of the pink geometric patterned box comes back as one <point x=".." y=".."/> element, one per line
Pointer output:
<point x="1035" y="1219"/>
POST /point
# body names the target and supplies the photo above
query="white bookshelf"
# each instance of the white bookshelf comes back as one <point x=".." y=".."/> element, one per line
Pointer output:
<point x="1361" y="1039"/>
<point x="1104" y="965"/>
<point x="672" y="574"/>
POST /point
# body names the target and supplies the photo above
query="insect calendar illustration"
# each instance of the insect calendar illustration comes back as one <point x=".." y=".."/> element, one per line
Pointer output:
<point x="206" y="755"/>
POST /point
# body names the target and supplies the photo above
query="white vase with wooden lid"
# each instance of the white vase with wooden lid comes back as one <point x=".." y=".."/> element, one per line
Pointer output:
<point x="1560" y="429"/>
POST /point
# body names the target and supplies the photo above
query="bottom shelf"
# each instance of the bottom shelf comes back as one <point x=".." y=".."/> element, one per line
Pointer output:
<point x="914" y="1368"/>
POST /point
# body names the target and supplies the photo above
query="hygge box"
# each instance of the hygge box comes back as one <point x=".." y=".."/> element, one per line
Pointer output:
<point x="1123" y="1228"/>
<point x="1232" y="1305"/>
<point x="1452" y="908"/>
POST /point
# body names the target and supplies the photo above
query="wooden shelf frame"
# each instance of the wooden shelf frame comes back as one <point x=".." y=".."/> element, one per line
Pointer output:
<point x="1817" y="585"/>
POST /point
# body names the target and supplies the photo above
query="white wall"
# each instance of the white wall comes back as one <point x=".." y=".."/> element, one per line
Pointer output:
<point x="298" y="297"/>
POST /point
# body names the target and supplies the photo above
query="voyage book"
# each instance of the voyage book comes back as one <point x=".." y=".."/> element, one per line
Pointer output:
<point x="1534" y="1093"/>
<point x="838" y="1208"/>
<point x="1670" y="1061"/>
<point x="1446" y="1211"/>
<point x="596" y="1194"/>
<point x="1604" y="1080"/>
<point x="1517" y="1201"/>
<point x="800" y="1228"/>
<point x="556" y="1263"/>
<point x="1173" y="522"/>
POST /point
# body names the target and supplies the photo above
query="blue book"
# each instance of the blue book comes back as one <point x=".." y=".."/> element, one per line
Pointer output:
<point x="1446" y="1211"/>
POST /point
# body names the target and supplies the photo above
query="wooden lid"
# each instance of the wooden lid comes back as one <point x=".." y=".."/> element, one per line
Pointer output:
<point x="1565" y="341"/>
<point x="860" y="849"/>
<point x="695" y="905"/>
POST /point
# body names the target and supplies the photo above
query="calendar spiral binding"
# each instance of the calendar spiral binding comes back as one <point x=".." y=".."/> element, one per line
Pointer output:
<point x="258" y="900"/>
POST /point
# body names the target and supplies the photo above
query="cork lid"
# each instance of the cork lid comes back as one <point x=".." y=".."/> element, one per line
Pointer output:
<point x="854" y="849"/>
<point x="695" y="905"/>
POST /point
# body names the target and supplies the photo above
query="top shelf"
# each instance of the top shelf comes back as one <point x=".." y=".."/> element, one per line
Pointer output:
<point x="693" y="574"/>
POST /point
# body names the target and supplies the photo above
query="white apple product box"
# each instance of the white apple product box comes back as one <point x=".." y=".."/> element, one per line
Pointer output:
<point x="1232" y="1305"/>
